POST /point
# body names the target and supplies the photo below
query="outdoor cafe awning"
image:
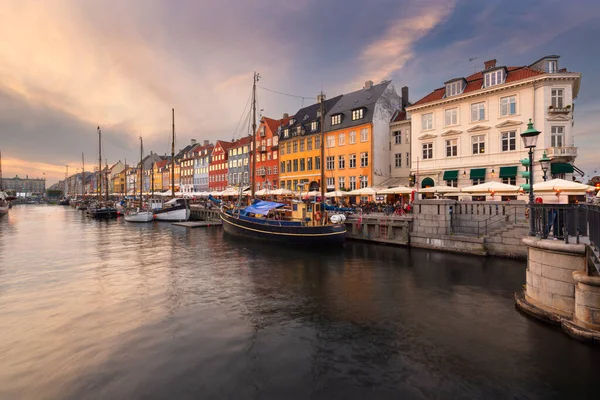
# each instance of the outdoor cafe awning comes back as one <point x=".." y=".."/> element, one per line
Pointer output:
<point x="508" y="172"/>
<point x="477" y="173"/>
<point x="451" y="175"/>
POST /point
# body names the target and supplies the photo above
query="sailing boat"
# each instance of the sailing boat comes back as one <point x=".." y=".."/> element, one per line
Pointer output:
<point x="138" y="214"/>
<point x="99" y="210"/>
<point x="175" y="209"/>
<point x="82" y="204"/>
<point x="302" y="223"/>
<point x="4" y="204"/>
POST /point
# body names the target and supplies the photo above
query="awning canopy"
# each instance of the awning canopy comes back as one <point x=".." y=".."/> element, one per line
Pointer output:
<point x="427" y="182"/>
<point x="262" y="207"/>
<point x="477" y="173"/>
<point x="451" y="175"/>
<point x="561" y="168"/>
<point x="508" y="172"/>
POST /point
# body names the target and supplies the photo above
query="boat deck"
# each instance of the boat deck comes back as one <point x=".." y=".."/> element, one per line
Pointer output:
<point x="197" y="224"/>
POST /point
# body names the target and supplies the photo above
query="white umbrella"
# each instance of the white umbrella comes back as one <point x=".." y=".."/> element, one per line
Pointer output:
<point x="216" y="193"/>
<point x="368" y="191"/>
<point x="262" y="192"/>
<point x="282" y="192"/>
<point x="396" y="190"/>
<point x="560" y="184"/>
<point x="491" y="187"/>
<point x="336" y="193"/>
<point x="312" y="193"/>
<point x="439" y="189"/>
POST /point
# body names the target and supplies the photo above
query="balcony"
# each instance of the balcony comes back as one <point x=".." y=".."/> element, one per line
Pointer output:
<point x="556" y="110"/>
<point x="561" y="152"/>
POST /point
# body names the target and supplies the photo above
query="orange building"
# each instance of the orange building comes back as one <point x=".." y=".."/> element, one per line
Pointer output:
<point x="267" y="146"/>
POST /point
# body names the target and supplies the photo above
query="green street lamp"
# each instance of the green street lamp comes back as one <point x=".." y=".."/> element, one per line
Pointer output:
<point x="545" y="163"/>
<point x="530" y="137"/>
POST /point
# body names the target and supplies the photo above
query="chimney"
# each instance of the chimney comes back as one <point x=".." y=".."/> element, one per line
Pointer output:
<point x="368" y="85"/>
<point x="404" y="92"/>
<point x="489" y="64"/>
<point x="193" y="142"/>
<point x="206" y="143"/>
<point x="285" y="115"/>
<point x="320" y="97"/>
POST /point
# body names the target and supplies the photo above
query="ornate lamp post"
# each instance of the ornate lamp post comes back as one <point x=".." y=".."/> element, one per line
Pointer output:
<point x="530" y="137"/>
<point x="545" y="163"/>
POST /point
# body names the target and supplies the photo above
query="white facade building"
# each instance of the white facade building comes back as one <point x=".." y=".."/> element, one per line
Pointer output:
<point x="468" y="131"/>
<point x="400" y="142"/>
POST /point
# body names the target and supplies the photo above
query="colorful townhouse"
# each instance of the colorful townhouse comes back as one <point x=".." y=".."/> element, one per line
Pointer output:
<point x="187" y="168"/>
<point x="238" y="162"/>
<point x="158" y="174"/>
<point x="267" y="150"/>
<point x="300" y="147"/>
<point x="202" y="157"/>
<point x="149" y="162"/>
<point x="217" y="170"/>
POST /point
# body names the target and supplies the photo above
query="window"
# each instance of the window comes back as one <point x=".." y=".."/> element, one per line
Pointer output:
<point x="357" y="114"/>
<point x="451" y="147"/>
<point x="301" y="145"/>
<point x="282" y="150"/>
<point x="336" y="119"/>
<point x="295" y="146"/>
<point x="317" y="162"/>
<point x="275" y="155"/>
<point x="557" y="96"/>
<point x="453" y="183"/>
<point x="552" y="66"/>
<point x="331" y="182"/>
<point x="286" y="133"/>
<point x="330" y="163"/>
<point x="282" y="166"/>
<point x="364" y="135"/>
<point x="509" y="181"/>
<point x="352" y="160"/>
<point x="341" y="162"/>
<point x="288" y="166"/>
<point x="364" y="159"/>
<point x="508" y="106"/>
<point x="341" y="139"/>
<point x="309" y="164"/>
<point x="477" y="112"/>
<point x="341" y="182"/>
<point x="352" y="137"/>
<point x="478" y="143"/>
<point x="302" y="164"/>
<point x="318" y="142"/>
<point x="364" y="182"/>
<point x="313" y="126"/>
<point x="352" y="183"/>
<point x="451" y="116"/>
<point x="274" y="169"/>
<point x="309" y="144"/>
<point x="398" y="159"/>
<point x="478" y="181"/>
<point x="509" y="141"/>
<point x="426" y="121"/>
<point x="397" y="137"/>
<point x="288" y="149"/>
<point x="295" y="165"/>
<point x="427" y="151"/>
<point x="408" y="159"/>
<point x="330" y="141"/>
<point x="558" y="136"/>
<point x="494" y="78"/>
<point x="454" y="88"/>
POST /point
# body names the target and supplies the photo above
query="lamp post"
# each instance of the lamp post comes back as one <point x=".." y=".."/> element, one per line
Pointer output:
<point x="530" y="137"/>
<point x="545" y="163"/>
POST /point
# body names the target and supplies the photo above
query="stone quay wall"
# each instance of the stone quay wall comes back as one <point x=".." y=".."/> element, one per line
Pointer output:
<point x="380" y="229"/>
<point x="199" y="213"/>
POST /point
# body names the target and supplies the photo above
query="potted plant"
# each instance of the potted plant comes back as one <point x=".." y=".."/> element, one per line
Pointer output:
<point x="550" y="107"/>
<point x="568" y="107"/>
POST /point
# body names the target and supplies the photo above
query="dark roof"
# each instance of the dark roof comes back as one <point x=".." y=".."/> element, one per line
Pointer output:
<point x="399" y="116"/>
<point x="363" y="98"/>
<point x="305" y="116"/>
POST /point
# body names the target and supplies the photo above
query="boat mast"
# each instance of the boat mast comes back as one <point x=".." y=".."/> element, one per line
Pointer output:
<point x="173" y="153"/>
<point x="1" y="180"/>
<point x="152" y="185"/>
<point x="99" y="178"/>
<point x="82" y="176"/>
<point x="256" y="77"/>
<point x="67" y="187"/>
<point x="141" y="168"/>
<point x="322" y="126"/>
<point x="106" y="199"/>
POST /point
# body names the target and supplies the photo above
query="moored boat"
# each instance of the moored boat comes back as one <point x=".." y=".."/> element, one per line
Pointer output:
<point x="4" y="204"/>
<point x="174" y="210"/>
<point x="136" y="215"/>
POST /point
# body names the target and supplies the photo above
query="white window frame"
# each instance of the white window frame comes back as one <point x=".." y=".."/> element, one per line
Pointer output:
<point x="505" y="103"/>
<point x="352" y="160"/>
<point x="342" y="139"/>
<point x="476" y="110"/>
<point x="398" y="160"/>
<point x="557" y="132"/>
<point x="330" y="163"/>
<point x="358" y="114"/>
<point x="478" y="140"/>
<point x="330" y="141"/>
<point x="313" y="126"/>
<point x="427" y="122"/>
<point x="557" y="100"/>
<point x="452" y="145"/>
<point x="364" y="135"/>
<point x="511" y="138"/>
<point x="352" y="137"/>
<point x="427" y="150"/>
<point x="364" y="181"/>
<point x="364" y="159"/>
<point x="494" y="78"/>
<point x="336" y="119"/>
<point x="352" y="183"/>
<point x="341" y="162"/>
<point x="341" y="182"/>
<point x="397" y="137"/>
<point x="451" y="116"/>
<point x="454" y="88"/>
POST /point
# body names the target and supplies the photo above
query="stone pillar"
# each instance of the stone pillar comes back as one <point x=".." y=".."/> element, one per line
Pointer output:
<point x="587" y="300"/>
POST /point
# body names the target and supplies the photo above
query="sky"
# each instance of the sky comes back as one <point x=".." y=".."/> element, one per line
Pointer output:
<point x="68" y="66"/>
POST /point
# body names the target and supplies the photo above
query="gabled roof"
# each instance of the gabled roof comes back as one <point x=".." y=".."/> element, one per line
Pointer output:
<point x="363" y="98"/>
<point x="243" y="141"/>
<point x="306" y="115"/>
<point x="224" y="145"/>
<point x="399" y="116"/>
<point x="475" y="82"/>
<point x="273" y="124"/>
<point x="161" y="163"/>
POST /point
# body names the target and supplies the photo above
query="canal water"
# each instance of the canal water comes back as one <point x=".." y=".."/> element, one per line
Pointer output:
<point x="111" y="310"/>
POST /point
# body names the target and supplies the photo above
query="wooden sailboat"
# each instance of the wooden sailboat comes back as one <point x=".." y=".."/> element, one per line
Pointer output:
<point x="101" y="210"/>
<point x="302" y="223"/>
<point x="82" y="204"/>
<point x="139" y="214"/>
<point x="175" y="209"/>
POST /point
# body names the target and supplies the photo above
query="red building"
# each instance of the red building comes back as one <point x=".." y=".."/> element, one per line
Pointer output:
<point x="267" y="154"/>
<point x="217" y="170"/>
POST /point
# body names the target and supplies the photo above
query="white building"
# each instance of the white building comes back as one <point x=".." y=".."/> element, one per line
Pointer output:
<point x="400" y="163"/>
<point x="467" y="132"/>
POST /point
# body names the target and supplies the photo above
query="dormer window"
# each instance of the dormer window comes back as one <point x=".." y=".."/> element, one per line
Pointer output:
<point x="454" y="88"/>
<point x="299" y="130"/>
<point x="292" y="121"/>
<point x="313" y="126"/>
<point x="286" y="133"/>
<point x="336" y="119"/>
<point x="552" y="66"/>
<point x="494" y="78"/>
<point x="358" y="114"/>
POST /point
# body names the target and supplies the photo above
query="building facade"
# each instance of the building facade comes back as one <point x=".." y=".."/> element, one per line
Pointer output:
<point x="400" y="159"/>
<point x="238" y="162"/>
<point x="202" y="157"/>
<point x="187" y="168"/>
<point x="24" y="186"/>
<point x="217" y="170"/>
<point x="468" y="132"/>
<point x="267" y="150"/>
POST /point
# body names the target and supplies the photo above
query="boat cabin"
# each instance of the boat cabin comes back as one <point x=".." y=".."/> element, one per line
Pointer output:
<point x="307" y="212"/>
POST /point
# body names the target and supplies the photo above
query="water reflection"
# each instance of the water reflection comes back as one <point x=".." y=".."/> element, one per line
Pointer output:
<point x="96" y="309"/>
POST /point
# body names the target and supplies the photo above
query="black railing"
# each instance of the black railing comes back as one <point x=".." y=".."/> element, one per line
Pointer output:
<point x="559" y="221"/>
<point x="594" y="225"/>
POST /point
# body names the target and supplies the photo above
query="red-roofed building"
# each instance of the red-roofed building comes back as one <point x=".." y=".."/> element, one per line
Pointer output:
<point x="267" y="159"/>
<point x="217" y="170"/>
<point x="468" y="131"/>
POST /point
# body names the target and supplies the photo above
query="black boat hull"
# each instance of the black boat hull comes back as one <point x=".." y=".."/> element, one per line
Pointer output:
<point x="304" y="235"/>
<point x="102" y="213"/>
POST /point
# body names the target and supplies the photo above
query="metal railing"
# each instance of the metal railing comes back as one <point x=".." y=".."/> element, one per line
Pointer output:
<point x="593" y="218"/>
<point x="559" y="221"/>
<point x="500" y="216"/>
